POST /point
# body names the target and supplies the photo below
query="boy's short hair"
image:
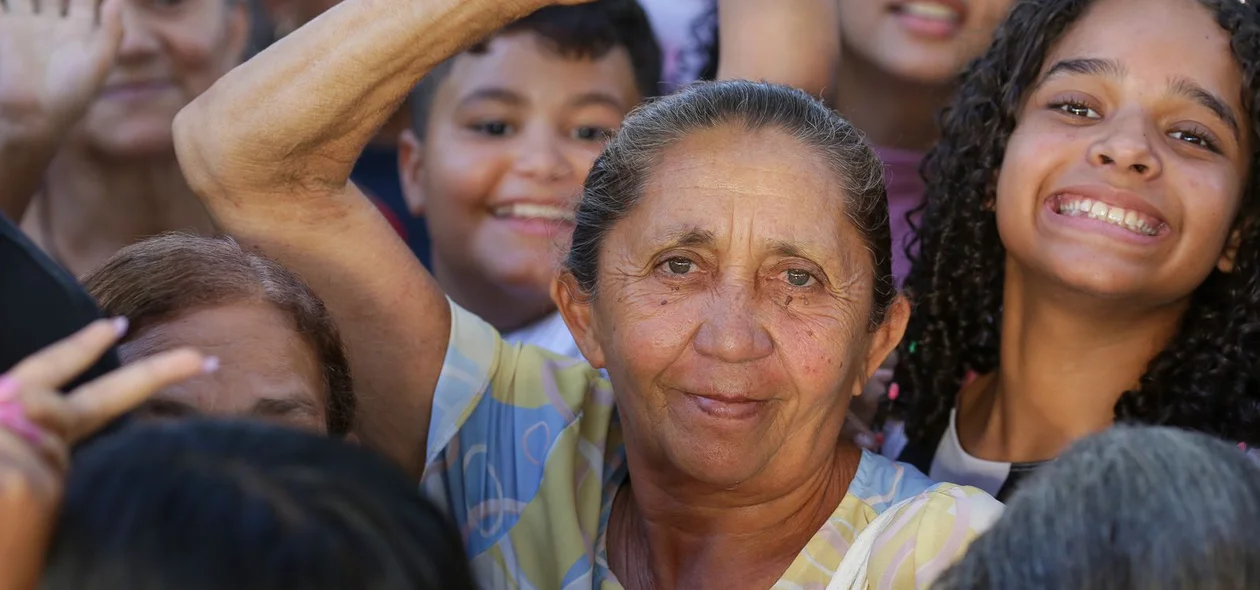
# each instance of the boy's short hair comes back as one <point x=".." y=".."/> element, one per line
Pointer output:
<point x="584" y="31"/>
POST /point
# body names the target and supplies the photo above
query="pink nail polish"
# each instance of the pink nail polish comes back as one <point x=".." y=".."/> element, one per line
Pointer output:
<point x="894" y="391"/>
<point x="8" y="388"/>
<point x="120" y="325"/>
<point x="210" y="365"/>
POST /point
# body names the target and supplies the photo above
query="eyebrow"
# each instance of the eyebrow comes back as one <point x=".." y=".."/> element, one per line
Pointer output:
<point x="1087" y="66"/>
<point x="494" y="94"/>
<point x="685" y="236"/>
<point x="595" y="99"/>
<point x="1209" y="101"/>
<point x="1180" y="87"/>
<point x="283" y="406"/>
<point x="159" y="406"/>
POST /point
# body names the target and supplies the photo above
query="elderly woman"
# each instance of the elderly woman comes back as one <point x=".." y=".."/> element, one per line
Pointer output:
<point x="280" y="356"/>
<point x="729" y="268"/>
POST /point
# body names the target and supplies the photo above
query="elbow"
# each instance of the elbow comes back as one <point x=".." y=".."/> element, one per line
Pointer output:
<point x="196" y="146"/>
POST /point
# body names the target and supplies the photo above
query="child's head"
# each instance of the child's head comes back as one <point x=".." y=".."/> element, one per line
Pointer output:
<point x="1104" y="148"/>
<point x="504" y="135"/>
<point x="922" y="41"/>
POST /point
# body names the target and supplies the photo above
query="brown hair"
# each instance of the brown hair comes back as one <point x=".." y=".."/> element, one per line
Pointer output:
<point x="161" y="278"/>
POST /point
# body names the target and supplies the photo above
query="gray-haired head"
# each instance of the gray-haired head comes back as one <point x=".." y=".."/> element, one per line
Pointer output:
<point x="616" y="180"/>
<point x="1132" y="508"/>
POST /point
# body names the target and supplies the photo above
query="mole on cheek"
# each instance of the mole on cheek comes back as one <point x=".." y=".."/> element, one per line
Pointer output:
<point x="789" y="300"/>
<point x="663" y="302"/>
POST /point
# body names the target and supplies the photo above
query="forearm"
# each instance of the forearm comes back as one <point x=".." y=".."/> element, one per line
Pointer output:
<point x="296" y="116"/>
<point x="792" y="42"/>
<point x="22" y="166"/>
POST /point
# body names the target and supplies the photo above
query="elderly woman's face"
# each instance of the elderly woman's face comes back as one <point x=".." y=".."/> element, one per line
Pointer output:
<point x="733" y="310"/>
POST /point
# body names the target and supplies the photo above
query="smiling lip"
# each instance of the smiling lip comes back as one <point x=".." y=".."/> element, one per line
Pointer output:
<point x="545" y="218"/>
<point x="726" y="408"/>
<point x="1145" y="225"/>
<point x="931" y="19"/>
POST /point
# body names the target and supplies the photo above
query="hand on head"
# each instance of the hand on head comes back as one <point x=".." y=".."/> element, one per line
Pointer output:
<point x="39" y="424"/>
<point x="54" y="56"/>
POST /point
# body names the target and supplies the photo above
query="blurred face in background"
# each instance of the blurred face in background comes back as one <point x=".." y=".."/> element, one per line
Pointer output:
<point x="171" y="52"/>
<point x="923" y="41"/>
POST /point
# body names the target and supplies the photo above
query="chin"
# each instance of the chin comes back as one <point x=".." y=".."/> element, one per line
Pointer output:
<point x="1115" y="282"/>
<point x="135" y="143"/>
<point x="930" y="67"/>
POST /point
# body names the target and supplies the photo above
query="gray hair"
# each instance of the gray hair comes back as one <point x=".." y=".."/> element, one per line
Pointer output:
<point x="618" y="176"/>
<point x="1132" y="508"/>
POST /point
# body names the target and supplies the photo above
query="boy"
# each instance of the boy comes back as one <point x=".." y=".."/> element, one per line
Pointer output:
<point x="503" y="137"/>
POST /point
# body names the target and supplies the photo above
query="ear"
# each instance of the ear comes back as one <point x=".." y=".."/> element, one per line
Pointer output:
<point x="237" y="31"/>
<point x="410" y="169"/>
<point x="1226" y="263"/>
<point x="575" y="308"/>
<point x="884" y="340"/>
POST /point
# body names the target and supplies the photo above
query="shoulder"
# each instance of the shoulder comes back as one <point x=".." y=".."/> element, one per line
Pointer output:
<point x="881" y="482"/>
<point x="927" y="533"/>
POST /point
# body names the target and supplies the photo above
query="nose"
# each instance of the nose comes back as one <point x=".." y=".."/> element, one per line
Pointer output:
<point x="139" y="40"/>
<point x="731" y="330"/>
<point x="540" y="155"/>
<point x="1124" y="146"/>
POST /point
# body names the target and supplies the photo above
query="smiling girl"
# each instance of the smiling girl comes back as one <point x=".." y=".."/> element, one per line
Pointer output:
<point x="1088" y="252"/>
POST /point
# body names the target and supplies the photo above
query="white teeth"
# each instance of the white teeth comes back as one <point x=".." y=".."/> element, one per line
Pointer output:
<point x="535" y="211"/>
<point x="930" y="10"/>
<point x="1118" y="216"/>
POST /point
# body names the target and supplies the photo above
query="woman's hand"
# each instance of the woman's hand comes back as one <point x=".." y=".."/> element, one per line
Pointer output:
<point x="51" y="65"/>
<point x="39" y="425"/>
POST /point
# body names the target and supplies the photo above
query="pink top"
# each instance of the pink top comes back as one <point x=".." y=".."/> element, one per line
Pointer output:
<point x="905" y="192"/>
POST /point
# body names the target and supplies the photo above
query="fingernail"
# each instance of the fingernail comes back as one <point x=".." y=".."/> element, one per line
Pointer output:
<point x="8" y="388"/>
<point x="120" y="325"/>
<point x="210" y="365"/>
<point x="894" y="391"/>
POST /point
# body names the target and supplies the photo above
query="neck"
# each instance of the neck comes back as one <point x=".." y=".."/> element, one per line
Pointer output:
<point x="507" y="309"/>
<point x="892" y="112"/>
<point x="1065" y="360"/>
<point x="91" y="207"/>
<point x="696" y="537"/>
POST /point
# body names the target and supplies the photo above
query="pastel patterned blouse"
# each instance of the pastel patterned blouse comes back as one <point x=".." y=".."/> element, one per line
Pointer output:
<point x="525" y="452"/>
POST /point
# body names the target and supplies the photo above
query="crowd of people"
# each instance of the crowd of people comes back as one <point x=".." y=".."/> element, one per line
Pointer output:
<point x="560" y="294"/>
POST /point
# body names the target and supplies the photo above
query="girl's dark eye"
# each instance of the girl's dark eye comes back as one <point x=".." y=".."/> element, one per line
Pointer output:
<point x="1078" y="110"/>
<point x="1193" y="138"/>
<point x="799" y="278"/>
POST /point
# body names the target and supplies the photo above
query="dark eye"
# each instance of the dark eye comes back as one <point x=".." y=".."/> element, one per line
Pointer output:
<point x="492" y="128"/>
<point x="1078" y="110"/>
<point x="799" y="278"/>
<point x="679" y="266"/>
<point x="591" y="133"/>
<point x="1193" y="138"/>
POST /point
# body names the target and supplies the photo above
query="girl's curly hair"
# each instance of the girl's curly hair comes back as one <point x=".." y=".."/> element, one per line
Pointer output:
<point x="1205" y="379"/>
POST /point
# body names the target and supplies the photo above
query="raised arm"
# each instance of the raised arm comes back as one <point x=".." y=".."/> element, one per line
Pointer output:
<point x="792" y="42"/>
<point x="269" y="149"/>
<point x="51" y="65"/>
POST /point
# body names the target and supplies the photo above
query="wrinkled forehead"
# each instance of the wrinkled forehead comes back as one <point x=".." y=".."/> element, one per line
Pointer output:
<point x="761" y="191"/>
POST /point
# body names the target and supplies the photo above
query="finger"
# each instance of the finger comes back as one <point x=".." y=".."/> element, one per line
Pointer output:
<point x="48" y="410"/>
<point x="111" y="23"/>
<point x="50" y="452"/>
<point x="22" y="7"/>
<point x="57" y="364"/>
<point x="97" y="403"/>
